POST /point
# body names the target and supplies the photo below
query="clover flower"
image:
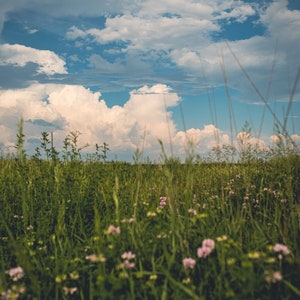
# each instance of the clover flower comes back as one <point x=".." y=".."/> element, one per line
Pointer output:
<point x="281" y="248"/>
<point x="127" y="263"/>
<point x="163" y="202"/>
<point x="188" y="263"/>
<point x="128" y="255"/>
<point x="272" y="277"/>
<point x="96" y="258"/>
<point x="15" y="273"/>
<point x="208" y="245"/>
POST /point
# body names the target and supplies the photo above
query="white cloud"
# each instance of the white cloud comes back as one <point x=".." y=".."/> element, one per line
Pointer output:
<point x="20" y="55"/>
<point x="239" y="13"/>
<point x="68" y="108"/>
<point x="184" y="33"/>
<point x="203" y="140"/>
<point x="141" y="33"/>
<point x="283" y="24"/>
<point x="140" y="122"/>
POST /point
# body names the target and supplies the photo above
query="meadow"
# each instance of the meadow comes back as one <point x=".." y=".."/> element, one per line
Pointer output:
<point x="207" y="228"/>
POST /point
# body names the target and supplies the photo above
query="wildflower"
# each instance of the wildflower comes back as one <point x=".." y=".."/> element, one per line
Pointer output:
<point x="151" y="214"/>
<point x="74" y="275"/>
<point x="153" y="277"/>
<point x="126" y="264"/>
<point x="208" y="245"/>
<point x="222" y="238"/>
<point x="163" y="202"/>
<point x="281" y="248"/>
<point x="270" y="260"/>
<point x="15" y="273"/>
<point x="131" y="220"/>
<point x="188" y="263"/>
<point x="69" y="291"/>
<point x="186" y="281"/>
<point x="230" y="261"/>
<point x="162" y="235"/>
<point x="113" y="230"/>
<point x="18" y="217"/>
<point x="96" y="258"/>
<point x="272" y="277"/>
<point x="192" y="211"/>
<point x="60" y="278"/>
<point x="254" y="255"/>
<point x="203" y="252"/>
<point x="128" y="255"/>
<point x="13" y="293"/>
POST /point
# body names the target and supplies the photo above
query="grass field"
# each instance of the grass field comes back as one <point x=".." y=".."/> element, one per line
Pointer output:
<point x="73" y="228"/>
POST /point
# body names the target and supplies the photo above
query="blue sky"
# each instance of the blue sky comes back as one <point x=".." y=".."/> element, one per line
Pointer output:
<point x="131" y="72"/>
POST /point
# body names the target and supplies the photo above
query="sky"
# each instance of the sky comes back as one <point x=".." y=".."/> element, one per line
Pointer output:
<point x="132" y="72"/>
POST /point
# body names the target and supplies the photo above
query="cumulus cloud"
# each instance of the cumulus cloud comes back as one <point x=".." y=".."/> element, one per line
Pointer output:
<point x="175" y="34"/>
<point x="67" y="108"/>
<point x="19" y="55"/>
<point x="140" y="122"/>
<point x="201" y="140"/>
<point x="143" y="120"/>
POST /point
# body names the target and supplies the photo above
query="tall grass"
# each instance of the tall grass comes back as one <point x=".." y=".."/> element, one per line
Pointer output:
<point x="70" y="224"/>
<point x="224" y="226"/>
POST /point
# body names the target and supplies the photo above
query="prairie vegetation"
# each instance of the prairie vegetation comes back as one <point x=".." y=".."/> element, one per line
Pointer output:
<point x="208" y="228"/>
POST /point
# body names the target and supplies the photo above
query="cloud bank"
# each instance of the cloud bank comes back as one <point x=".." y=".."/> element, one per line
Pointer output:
<point x="142" y="120"/>
<point x="157" y="52"/>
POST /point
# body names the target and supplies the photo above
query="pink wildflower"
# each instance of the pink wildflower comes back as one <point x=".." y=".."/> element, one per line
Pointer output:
<point x="208" y="245"/>
<point x="13" y="293"/>
<point x="163" y="202"/>
<point x="113" y="230"/>
<point x="281" y="248"/>
<point x="128" y="255"/>
<point x="272" y="277"/>
<point x="188" y="263"/>
<point x="126" y="264"/>
<point x="69" y="291"/>
<point x="96" y="258"/>
<point x="192" y="211"/>
<point x="131" y="220"/>
<point x="16" y="273"/>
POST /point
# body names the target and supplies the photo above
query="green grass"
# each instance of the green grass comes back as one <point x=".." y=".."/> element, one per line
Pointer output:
<point x="55" y="215"/>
